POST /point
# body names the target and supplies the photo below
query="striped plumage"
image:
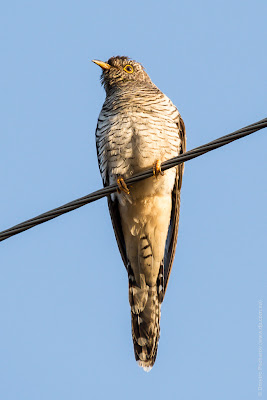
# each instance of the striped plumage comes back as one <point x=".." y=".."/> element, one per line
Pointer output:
<point x="138" y="125"/>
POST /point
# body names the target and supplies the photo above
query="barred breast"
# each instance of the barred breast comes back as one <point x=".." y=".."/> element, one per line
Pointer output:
<point x="134" y="129"/>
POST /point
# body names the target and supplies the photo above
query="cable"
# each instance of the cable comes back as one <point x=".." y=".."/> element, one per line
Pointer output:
<point x="198" y="151"/>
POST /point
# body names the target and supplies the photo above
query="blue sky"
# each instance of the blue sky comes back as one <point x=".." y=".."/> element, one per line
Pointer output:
<point x="65" y="318"/>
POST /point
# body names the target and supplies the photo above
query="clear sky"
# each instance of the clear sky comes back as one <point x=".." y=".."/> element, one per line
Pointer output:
<point x="65" y="319"/>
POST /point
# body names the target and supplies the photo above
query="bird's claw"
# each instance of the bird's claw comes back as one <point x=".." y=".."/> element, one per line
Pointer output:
<point x="157" y="168"/>
<point x="122" y="187"/>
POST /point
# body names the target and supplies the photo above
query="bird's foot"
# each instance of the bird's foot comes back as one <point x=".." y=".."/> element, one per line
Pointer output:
<point x="157" y="168"/>
<point x="122" y="187"/>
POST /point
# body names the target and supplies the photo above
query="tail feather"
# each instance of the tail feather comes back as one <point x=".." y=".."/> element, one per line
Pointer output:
<point x="145" y="313"/>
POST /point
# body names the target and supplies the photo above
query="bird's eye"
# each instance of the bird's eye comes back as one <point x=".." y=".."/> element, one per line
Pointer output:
<point x="128" y="68"/>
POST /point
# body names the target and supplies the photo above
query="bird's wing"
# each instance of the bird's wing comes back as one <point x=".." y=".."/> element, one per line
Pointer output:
<point x="103" y="167"/>
<point x="174" y="221"/>
<point x="116" y="223"/>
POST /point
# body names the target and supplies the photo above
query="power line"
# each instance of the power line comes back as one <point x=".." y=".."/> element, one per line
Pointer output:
<point x="198" y="151"/>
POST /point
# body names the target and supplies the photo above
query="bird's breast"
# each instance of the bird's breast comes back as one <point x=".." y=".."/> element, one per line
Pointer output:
<point x="132" y="133"/>
<point x="136" y="140"/>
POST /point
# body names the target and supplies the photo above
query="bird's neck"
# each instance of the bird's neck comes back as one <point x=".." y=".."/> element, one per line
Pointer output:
<point x="124" y="89"/>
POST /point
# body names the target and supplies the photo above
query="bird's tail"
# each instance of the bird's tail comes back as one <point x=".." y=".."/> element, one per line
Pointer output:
<point x="145" y="313"/>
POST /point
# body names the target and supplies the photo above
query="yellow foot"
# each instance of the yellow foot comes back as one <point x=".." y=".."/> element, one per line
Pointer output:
<point x="122" y="187"/>
<point x="157" y="168"/>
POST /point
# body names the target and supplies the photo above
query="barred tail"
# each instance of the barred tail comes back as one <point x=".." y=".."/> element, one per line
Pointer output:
<point x="145" y="313"/>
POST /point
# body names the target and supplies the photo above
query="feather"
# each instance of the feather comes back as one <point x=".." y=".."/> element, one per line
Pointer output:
<point x="175" y="213"/>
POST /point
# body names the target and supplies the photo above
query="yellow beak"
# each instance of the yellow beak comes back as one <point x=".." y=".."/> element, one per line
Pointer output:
<point x="102" y="64"/>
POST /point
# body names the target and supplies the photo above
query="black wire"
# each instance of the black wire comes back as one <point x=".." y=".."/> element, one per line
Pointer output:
<point x="198" y="151"/>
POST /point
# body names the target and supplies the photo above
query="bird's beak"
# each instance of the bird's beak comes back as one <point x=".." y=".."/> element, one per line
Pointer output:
<point x="102" y="64"/>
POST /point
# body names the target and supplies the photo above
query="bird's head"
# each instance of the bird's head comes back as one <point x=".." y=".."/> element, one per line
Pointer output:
<point x="118" y="71"/>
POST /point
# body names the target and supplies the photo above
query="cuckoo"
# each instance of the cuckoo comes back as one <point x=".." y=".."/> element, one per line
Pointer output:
<point x="139" y="127"/>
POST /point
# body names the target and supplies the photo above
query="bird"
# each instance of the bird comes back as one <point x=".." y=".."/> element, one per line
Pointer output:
<point x="139" y="127"/>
